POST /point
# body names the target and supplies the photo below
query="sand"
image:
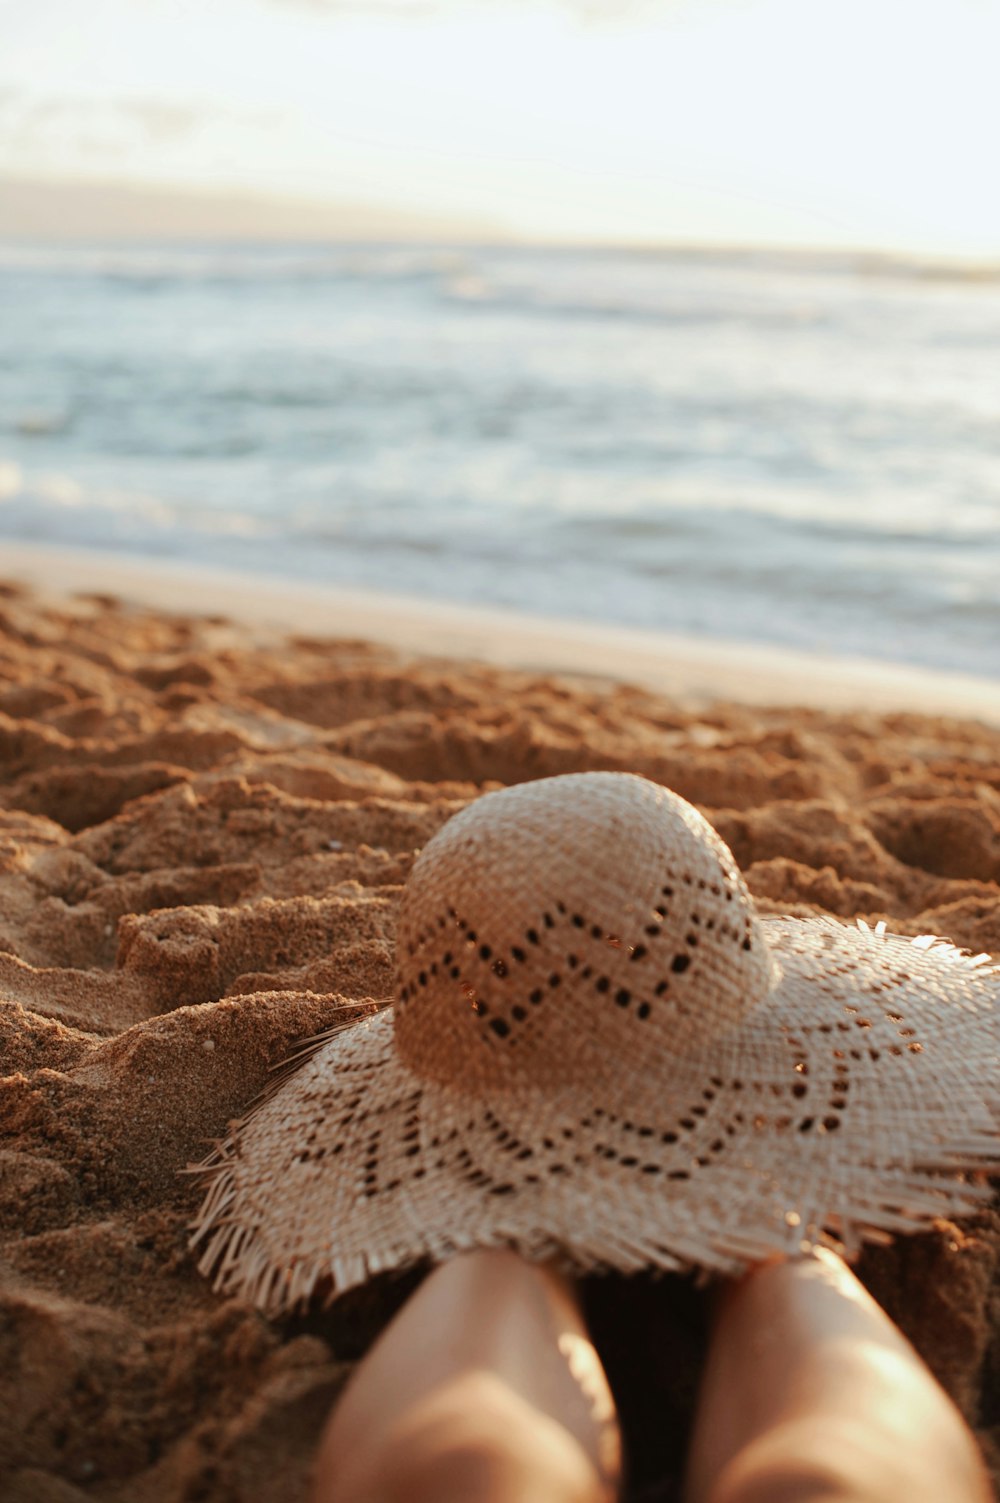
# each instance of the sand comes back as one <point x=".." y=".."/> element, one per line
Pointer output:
<point x="203" y="833"/>
<point x="697" y="670"/>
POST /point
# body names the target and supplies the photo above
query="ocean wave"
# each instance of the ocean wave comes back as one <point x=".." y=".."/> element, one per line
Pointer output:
<point x="66" y="509"/>
<point x="11" y="480"/>
<point x="41" y="424"/>
<point x="157" y="268"/>
<point x="541" y="302"/>
<point x="243" y="259"/>
<point x="782" y="444"/>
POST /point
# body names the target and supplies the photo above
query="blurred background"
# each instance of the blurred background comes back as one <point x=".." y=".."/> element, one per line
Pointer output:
<point x="683" y="314"/>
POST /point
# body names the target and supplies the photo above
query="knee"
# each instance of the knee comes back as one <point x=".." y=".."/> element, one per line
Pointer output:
<point x="484" y="1470"/>
<point x="807" y="1462"/>
<point x="470" y="1442"/>
<point x="469" y="1470"/>
<point x="788" y="1481"/>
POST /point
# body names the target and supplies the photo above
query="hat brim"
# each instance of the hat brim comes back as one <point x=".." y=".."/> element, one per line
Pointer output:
<point x="860" y="1099"/>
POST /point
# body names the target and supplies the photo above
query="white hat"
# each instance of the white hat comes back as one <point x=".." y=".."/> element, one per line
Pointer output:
<point x="601" y="1053"/>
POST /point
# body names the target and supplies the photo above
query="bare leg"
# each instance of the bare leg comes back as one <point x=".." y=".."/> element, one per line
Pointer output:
<point x="483" y="1389"/>
<point x="811" y="1395"/>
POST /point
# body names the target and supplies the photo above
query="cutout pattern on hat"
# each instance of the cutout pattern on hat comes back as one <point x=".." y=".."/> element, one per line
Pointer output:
<point x="601" y="1053"/>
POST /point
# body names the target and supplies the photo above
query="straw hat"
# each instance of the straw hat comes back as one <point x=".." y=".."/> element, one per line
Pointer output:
<point x="601" y="1053"/>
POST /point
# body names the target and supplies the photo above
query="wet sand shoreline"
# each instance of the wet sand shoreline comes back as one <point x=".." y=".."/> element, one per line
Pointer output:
<point x="694" y="669"/>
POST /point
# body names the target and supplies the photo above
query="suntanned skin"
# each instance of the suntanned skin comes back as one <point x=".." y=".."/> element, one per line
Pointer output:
<point x="485" y="1389"/>
<point x="811" y="1395"/>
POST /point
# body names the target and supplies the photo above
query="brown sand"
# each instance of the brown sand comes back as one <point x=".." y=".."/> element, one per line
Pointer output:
<point x="202" y="841"/>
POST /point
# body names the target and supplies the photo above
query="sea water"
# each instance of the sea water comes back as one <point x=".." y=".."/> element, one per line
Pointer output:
<point x="792" y="449"/>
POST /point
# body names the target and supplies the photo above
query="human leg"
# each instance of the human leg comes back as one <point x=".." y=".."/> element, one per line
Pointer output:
<point x="811" y="1395"/>
<point x="484" y="1389"/>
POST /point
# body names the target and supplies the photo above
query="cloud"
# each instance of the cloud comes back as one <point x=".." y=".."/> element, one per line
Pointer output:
<point x="162" y="120"/>
<point x="40" y="125"/>
<point x="38" y="117"/>
<point x="396" y="10"/>
<point x="407" y="9"/>
<point x="588" y="10"/>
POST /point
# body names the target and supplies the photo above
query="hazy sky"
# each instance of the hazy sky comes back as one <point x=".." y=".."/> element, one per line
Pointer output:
<point x="838" y="122"/>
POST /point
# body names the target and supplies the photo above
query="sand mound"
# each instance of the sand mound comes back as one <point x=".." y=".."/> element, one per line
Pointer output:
<point x="202" y="842"/>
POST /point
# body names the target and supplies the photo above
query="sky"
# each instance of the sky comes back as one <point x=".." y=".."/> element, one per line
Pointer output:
<point x="843" y="123"/>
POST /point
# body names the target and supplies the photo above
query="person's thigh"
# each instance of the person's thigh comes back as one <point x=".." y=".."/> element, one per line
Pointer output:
<point x="486" y="1375"/>
<point x="811" y="1395"/>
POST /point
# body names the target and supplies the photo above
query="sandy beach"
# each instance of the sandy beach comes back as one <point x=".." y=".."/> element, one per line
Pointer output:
<point x="204" y="828"/>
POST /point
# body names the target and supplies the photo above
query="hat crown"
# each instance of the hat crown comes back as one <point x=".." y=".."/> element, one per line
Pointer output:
<point x="555" y="930"/>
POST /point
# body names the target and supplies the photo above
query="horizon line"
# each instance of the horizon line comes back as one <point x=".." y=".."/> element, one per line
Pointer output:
<point x="397" y="225"/>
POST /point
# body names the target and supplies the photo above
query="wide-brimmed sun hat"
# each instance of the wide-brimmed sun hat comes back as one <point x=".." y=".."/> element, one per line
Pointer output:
<point x="600" y="1053"/>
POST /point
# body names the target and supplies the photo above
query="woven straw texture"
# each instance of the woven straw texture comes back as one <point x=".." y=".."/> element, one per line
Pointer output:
<point x="600" y="1053"/>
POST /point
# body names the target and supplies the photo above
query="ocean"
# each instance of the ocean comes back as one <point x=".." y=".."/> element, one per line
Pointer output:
<point x="792" y="449"/>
